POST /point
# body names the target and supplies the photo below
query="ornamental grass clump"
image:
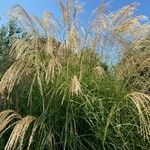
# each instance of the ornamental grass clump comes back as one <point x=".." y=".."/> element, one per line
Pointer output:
<point x="61" y="91"/>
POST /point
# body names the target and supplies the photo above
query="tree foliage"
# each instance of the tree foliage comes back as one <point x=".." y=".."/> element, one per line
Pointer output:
<point x="7" y="34"/>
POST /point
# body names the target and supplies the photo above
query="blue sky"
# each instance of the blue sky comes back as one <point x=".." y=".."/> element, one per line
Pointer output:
<point x="38" y="6"/>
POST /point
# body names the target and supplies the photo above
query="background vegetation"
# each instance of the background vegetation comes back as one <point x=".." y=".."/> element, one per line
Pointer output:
<point x="65" y="87"/>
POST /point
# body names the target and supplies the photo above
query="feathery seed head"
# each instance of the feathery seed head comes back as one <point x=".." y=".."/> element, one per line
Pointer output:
<point x="75" y="86"/>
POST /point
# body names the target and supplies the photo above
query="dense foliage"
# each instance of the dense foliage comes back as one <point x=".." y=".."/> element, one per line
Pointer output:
<point x="8" y="33"/>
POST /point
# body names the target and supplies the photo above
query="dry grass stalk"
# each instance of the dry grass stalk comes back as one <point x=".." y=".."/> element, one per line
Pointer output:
<point x="75" y="86"/>
<point x="53" y="67"/>
<point x="69" y="10"/>
<point x="99" y="71"/>
<point x="65" y="10"/>
<point x="145" y="63"/>
<point x="13" y="75"/>
<point x="18" y="133"/>
<point x="6" y="117"/>
<point x="142" y="103"/>
<point x="73" y="41"/>
<point x="118" y="29"/>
